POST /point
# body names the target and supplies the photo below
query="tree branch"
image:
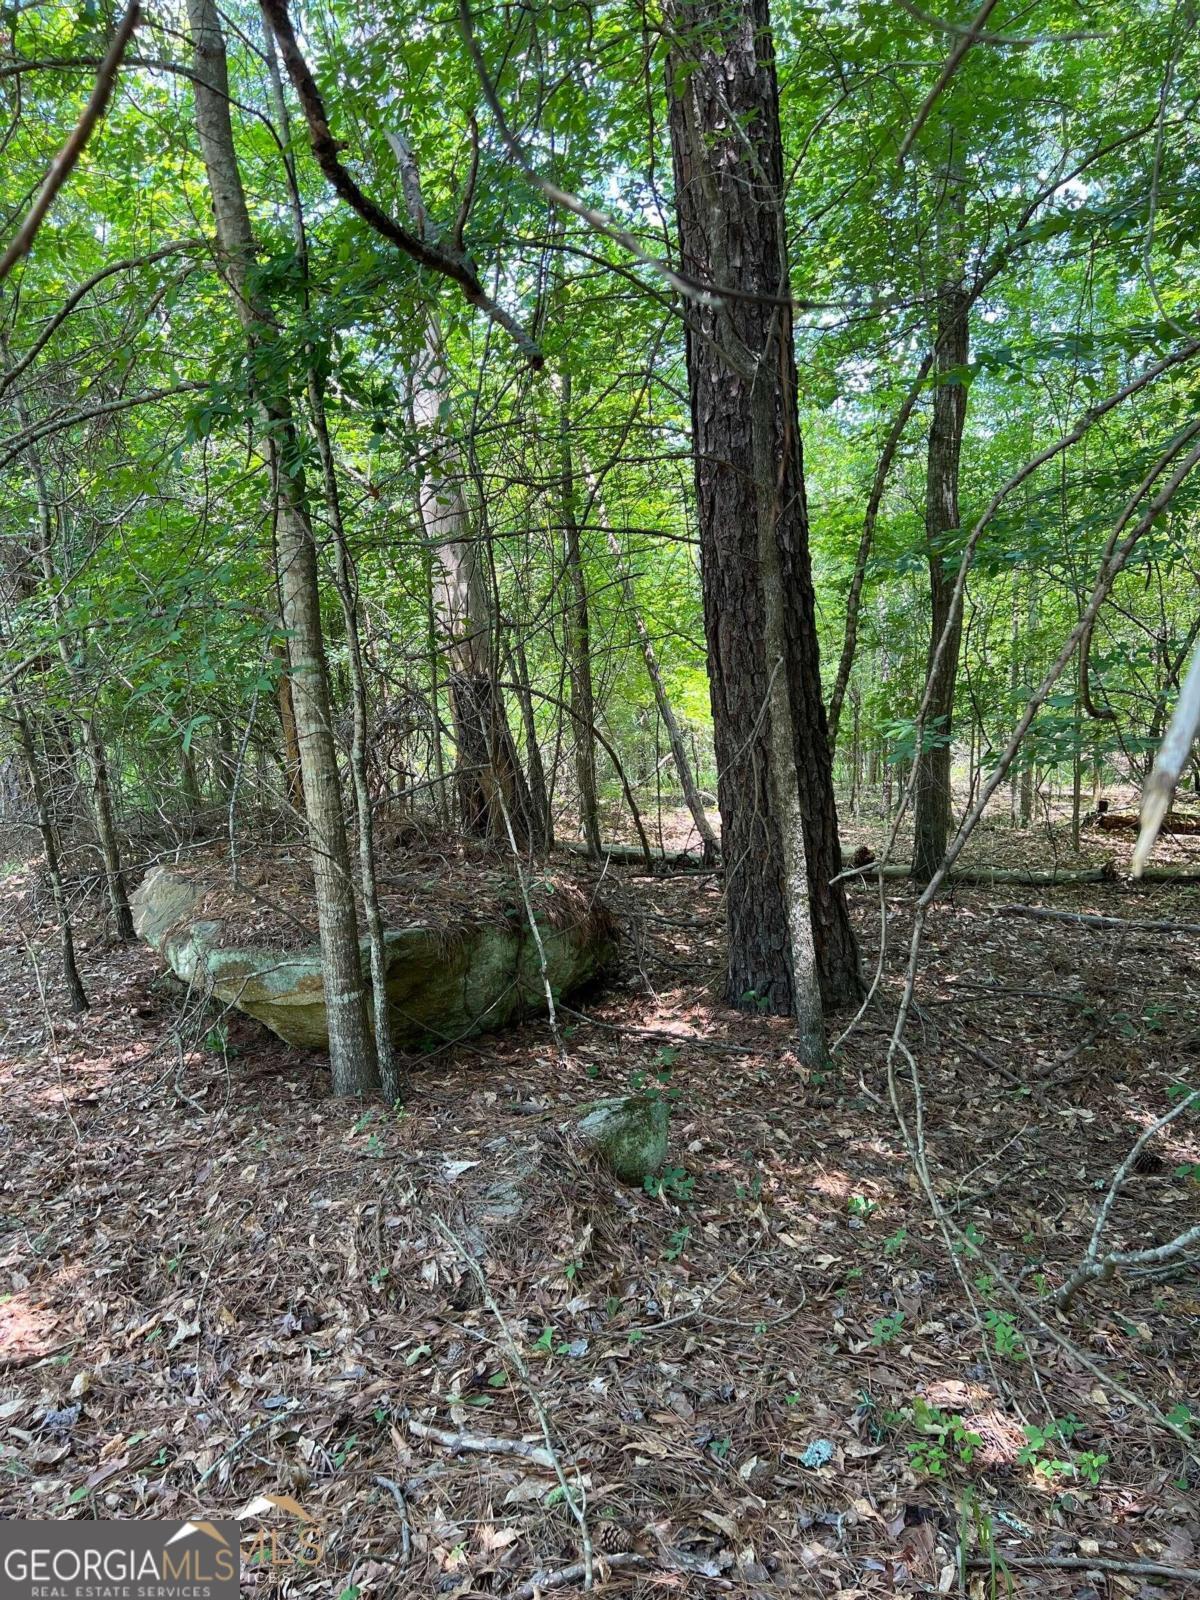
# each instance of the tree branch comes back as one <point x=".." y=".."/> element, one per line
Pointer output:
<point x="84" y="289"/>
<point x="64" y="162"/>
<point x="18" y="442"/>
<point x="953" y="61"/>
<point x="456" y="265"/>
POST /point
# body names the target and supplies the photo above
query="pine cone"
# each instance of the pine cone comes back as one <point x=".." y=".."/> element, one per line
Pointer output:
<point x="609" y="1537"/>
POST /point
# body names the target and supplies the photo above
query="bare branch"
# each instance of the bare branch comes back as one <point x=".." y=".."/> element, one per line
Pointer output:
<point x="1096" y="1266"/>
<point x="1168" y="764"/>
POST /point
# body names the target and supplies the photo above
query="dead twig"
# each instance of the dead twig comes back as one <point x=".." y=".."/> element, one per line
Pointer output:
<point x="397" y="1495"/>
<point x="1157" y="1569"/>
<point x="574" y="1494"/>
<point x="481" y="1444"/>
<point x="1093" y="1265"/>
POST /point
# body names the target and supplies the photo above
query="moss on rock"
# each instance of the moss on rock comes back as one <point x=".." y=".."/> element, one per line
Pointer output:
<point x="630" y="1134"/>
<point x="442" y="984"/>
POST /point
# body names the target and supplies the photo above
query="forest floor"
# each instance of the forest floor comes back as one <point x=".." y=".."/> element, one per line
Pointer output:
<point x="771" y="1377"/>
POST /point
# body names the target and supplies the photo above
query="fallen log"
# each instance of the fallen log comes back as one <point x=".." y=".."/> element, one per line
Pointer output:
<point x="983" y="876"/>
<point x="1090" y="919"/>
<point x="987" y="876"/>
<point x="634" y="855"/>
<point x="1130" y="822"/>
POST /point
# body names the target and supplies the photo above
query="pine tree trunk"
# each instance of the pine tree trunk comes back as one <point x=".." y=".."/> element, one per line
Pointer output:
<point x="351" y="1048"/>
<point x="932" y="795"/>
<point x="725" y="137"/>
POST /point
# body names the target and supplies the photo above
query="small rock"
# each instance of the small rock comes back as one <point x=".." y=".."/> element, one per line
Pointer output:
<point x="630" y="1134"/>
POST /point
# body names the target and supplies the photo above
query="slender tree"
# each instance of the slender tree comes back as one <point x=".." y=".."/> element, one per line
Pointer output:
<point x="579" y="632"/>
<point x="351" y="1049"/>
<point x="493" y="794"/>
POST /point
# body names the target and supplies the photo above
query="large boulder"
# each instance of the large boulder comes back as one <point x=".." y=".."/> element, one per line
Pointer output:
<point x="443" y="983"/>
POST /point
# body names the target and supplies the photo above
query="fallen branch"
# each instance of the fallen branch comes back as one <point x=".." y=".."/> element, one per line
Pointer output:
<point x="1128" y="822"/>
<point x="239" y="1444"/>
<point x="1157" y="1569"/>
<point x="560" y="1577"/>
<point x="575" y="1495"/>
<point x="1095" y="1266"/>
<point x="402" y="1507"/>
<point x="481" y="1444"/>
<point x="1090" y="919"/>
<point x="993" y="875"/>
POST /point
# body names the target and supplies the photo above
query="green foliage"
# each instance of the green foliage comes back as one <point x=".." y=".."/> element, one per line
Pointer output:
<point x="943" y="1444"/>
<point x="675" y="1183"/>
<point x="1006" y="1337"/>
<point x="676" y="1243"/>
<point x="887" y="1328"/>
<point x="1041" y="1447"/>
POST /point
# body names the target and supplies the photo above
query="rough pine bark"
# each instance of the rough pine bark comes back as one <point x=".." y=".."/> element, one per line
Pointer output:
<point x="351" y="1047"/>
<point x="932" y="796"/>
<point x="727" y="154"/>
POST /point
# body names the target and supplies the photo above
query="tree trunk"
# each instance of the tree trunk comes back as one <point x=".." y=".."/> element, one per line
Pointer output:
<point x="725" y="138"/>
<point x="346" y="580"/>
<point x="71" y="652"/>
<point x="50" y="848"/>
<point x="858" y="578"/>
<point x="492" y="793"/>
<point x="578" y="632"/>
<point x="1029" y="771"/>
<point x="683" y="766"/>
<point x="538" y="793"/>
<point x="287" y="726"/>
<point x="351" y="1048"/>
<point x="931" y="819"/>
